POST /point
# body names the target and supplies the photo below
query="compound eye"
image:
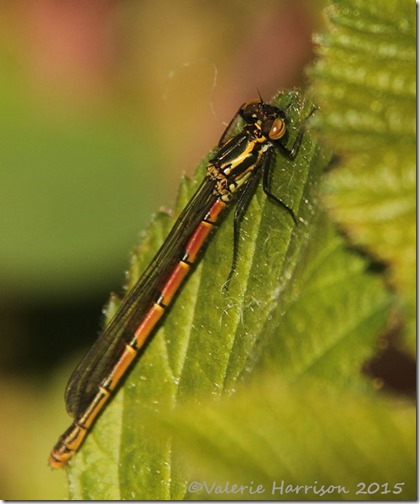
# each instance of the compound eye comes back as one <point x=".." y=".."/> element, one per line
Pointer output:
<point x="277" y="130"/>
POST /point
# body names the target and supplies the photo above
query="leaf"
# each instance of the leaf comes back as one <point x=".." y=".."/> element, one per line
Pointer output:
<point x="282" y="442"/>
<point x="209" y="337"/>
<point x="298" y="296"/>
<point x="337" y="309"/>
<point x="365" y="84"/>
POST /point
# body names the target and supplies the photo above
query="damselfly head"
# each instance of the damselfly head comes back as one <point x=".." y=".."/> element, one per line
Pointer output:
<point x="271" y="119"/>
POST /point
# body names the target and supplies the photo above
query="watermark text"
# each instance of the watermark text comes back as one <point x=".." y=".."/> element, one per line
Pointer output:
<point x="284" y="488"/>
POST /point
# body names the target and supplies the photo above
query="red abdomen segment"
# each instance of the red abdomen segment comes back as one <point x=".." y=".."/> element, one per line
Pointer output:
<point x="73" y="437"/>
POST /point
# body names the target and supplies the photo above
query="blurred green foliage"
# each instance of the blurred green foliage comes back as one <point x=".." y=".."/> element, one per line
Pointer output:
<point x="69" y="194"/>
<point x="365" y="84"/>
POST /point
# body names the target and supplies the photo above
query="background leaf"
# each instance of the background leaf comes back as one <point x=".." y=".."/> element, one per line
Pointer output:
<point x="365" y="84"/>
<point x="297" y="442"/>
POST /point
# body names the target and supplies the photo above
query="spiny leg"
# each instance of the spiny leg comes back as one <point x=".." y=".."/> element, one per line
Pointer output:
<point x="241" y="207"/>
<point x="291" y="153"/>
<point x="266" y="188"/>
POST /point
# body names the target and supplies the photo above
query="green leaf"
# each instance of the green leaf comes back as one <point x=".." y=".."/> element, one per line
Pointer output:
<point x="297" y="296"/>
<point x="296" y="442"/>
<point x="336" y="311"/>
<point x="365" y="84"/>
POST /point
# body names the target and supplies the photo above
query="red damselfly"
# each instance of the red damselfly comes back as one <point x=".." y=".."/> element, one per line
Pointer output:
<point x="241" y="160"/>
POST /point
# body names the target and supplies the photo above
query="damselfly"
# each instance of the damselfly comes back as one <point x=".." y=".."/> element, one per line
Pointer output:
<point x="234" y="172"/>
